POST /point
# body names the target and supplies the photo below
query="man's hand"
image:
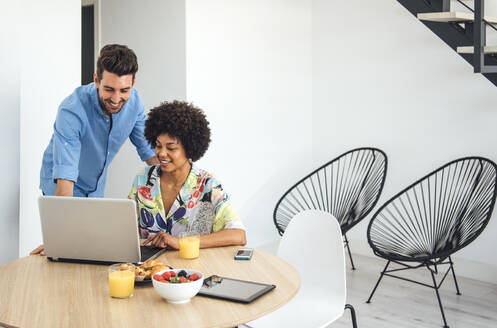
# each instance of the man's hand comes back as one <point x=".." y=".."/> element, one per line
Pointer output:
<point x="163" y="240"/>
<point x="64" y="188"/>
<point x="40" y="250"/>
<point x="152" y="161"/>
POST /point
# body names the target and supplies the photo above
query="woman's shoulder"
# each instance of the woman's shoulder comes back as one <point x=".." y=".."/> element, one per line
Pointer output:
<point x="203" y="175"/>
<point x="199" y="171"/>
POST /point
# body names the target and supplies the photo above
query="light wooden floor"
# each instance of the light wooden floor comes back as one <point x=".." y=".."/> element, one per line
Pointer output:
<point x="400" y="304"/>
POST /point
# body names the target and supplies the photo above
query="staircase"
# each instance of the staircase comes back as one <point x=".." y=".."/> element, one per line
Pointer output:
<point x="463" y="31"/>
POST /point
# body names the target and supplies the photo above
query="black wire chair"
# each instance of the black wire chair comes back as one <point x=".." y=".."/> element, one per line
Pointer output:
<point x="348" y="187"/>
<point x="434" y="217"/>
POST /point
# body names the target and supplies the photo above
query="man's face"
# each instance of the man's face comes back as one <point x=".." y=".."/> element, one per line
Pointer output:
<point x="113" y="91"/>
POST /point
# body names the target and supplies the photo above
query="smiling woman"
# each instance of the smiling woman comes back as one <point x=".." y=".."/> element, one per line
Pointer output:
<point x="176" y="196"/>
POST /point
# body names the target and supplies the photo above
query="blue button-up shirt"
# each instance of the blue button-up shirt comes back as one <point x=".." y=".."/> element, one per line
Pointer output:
<point x="85" y="140"/>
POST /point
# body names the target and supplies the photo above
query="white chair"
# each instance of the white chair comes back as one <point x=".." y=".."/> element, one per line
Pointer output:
<point x="313" y="244"/>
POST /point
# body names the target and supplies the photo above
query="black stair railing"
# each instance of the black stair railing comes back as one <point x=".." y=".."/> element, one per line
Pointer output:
<point x="456" y="34"/>
<point x="480" y="39"/>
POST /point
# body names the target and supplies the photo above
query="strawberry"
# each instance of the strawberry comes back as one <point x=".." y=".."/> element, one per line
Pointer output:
<point x="173" y="274"/>
<point x="166" y="275"/>
<point x="158" y="277"/>
<point x="182" y="279"/>
<point x="193" y="277"/>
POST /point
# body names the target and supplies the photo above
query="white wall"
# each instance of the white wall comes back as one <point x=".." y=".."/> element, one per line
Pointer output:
<point x="249" y="68"/>
<point x="9" y="132"/>
<point x="50" y="62"/>
<point x="390" y="82"/>
<point x="240" y="70"/>
<point x="155" y="30"/>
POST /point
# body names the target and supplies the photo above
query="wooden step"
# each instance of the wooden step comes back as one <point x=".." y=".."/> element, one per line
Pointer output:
<point x="471" y="50"/>
<point x="452" y="16"/>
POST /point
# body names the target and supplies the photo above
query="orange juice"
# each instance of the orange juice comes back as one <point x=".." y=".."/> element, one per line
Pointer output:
<point x="189" y="247"/>
<point x="121" y="283"/>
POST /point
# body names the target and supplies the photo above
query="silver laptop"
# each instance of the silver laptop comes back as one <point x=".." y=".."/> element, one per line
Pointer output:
<point x="92" y="230"/>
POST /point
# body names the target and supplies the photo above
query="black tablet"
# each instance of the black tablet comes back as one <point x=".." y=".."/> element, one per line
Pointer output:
<point x="233" y="289"/>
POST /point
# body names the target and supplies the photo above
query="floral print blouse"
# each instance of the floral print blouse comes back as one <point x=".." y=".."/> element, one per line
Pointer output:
<point x="201" y="205"/>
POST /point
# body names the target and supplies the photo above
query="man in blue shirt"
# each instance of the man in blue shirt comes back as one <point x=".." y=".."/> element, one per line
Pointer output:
<point x="92" y="124"/>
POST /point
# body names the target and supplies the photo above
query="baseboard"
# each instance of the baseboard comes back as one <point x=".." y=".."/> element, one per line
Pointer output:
<point x="462" y="266"/>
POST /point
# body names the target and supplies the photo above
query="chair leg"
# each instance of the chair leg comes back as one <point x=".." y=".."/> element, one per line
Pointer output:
<point x="378" y="282"/>
<point x="454" y="275"/>
<point x="352" y="314"/>
<point x="348" y="249"/>
<point x="438" y="297"/>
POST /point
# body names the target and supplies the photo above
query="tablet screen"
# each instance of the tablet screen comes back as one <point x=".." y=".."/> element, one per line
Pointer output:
<point x="233" y="289"/>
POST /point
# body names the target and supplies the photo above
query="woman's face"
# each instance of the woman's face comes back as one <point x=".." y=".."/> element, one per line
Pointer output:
<point x="170" y="153"/>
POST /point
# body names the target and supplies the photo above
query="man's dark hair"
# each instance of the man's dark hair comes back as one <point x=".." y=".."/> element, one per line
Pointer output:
<point x="182" y="120"/>
<point x="117" y="59"/>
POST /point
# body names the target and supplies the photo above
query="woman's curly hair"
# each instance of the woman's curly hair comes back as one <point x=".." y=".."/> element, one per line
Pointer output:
<point x="182" y="120"/>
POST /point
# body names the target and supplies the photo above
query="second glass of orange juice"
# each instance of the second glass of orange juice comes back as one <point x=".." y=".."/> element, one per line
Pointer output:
<point x="121" y="280"/>
<point x="189" y="245"/>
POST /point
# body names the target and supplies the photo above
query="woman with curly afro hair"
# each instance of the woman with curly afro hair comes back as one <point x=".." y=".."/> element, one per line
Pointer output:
<point x="176" y="196"/>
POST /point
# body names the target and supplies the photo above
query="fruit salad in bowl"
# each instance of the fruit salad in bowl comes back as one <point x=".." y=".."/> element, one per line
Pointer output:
<point x="177" y="286"/>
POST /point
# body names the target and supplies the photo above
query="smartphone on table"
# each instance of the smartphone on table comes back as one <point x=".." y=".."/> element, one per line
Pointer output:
<point x="243" y="254"/>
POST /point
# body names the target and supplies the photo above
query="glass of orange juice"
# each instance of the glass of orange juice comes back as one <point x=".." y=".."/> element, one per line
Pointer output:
<point x="189" y="245"/>
<point x="121" y="280"/>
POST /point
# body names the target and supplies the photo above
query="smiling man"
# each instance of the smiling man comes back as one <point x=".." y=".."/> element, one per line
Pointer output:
<point x="92" y="124"/>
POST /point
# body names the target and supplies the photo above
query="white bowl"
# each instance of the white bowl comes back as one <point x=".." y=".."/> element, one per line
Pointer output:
<point x="180" y="292"/>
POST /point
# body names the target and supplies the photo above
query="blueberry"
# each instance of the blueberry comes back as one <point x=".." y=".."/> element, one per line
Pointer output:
<point x="182" y="273"/>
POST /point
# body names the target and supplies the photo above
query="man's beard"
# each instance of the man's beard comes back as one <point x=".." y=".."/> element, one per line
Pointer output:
<point x="106" y="110"/>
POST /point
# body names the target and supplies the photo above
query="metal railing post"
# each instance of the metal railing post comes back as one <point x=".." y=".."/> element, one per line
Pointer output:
<point x="445" y="5"/>
<point x="479" y="36"/>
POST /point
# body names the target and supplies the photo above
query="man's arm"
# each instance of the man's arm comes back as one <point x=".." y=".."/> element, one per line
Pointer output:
<point x="66" y="150"/>
<point x="137" y="136"/>
<point x="64" y="188"/>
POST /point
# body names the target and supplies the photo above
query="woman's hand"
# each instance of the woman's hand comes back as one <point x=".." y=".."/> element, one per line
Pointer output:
<point x="163" y="240"/>
<point x="38" y="250"/>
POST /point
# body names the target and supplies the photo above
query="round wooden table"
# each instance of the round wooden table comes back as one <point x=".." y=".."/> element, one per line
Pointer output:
<point x="35" y="292"/>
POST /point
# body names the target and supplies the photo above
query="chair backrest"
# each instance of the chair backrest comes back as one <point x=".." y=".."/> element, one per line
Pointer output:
<point x="348" y="187"/>
<point x="313" y="244"/>
<point x="438" y="214"/>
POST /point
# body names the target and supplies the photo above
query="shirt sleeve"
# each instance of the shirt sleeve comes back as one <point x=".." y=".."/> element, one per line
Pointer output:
<point x="226" y="216"/>
<point x="137" y="136"/>
<point x="66" y="145"/>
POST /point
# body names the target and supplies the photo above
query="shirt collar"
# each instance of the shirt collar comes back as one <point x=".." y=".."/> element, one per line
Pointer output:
<point x="94" y="99"/>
